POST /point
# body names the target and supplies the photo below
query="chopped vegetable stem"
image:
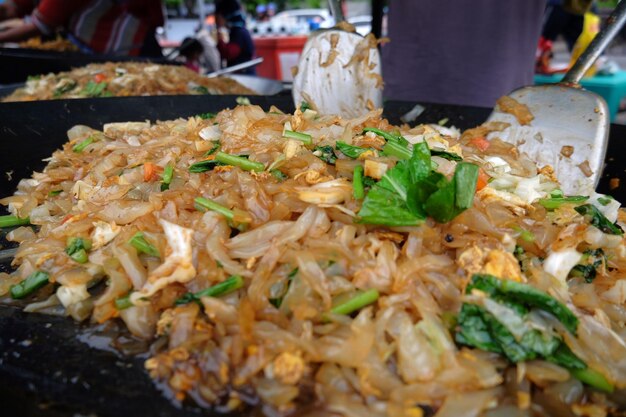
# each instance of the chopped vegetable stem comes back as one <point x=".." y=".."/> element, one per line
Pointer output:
<point x="227" y="286"/>
<point x="124" y="302"/>
<point x="239" y="161"/>
<point x="31" y="284"/>
<point x="139" y="242"/>
<point x="593" y="378"/>
<point x="357" y="182"/>
<point x="78" y="148"/>
<point x="212" y="205"/>
<point x="302" y="137"/>
<point x="11" y="221"/>
<point x="357" y="302"/>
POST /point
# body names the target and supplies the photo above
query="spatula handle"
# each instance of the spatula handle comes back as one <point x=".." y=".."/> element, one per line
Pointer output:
<point x="613" y="24"/>
<point x="336" y="11"/>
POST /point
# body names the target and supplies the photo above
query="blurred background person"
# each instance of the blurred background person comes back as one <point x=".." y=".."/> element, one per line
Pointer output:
<point x="467" y="52"/>
<point x="191" y="49"/>
<point x="239" y="48"/>
<point x="94" y="26"/>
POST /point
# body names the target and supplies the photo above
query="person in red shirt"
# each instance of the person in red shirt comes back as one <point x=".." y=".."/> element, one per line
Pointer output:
<point x="116" y="27"/>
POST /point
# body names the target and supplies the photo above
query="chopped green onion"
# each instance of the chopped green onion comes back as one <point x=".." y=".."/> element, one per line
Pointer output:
<point x="554" y="203"/>
<point x="592" y="378"/>
<point x="304" y="106"/>
<point x="357" y="182"/>
<point x="278" y="174"/>
<point x="82" y="145"/>
<point x="242" y="101"/>
<point x="598" y="220"/>
<point x="54" y="192"/>
<point x="605" y="200"/>
<point x="77" y="248"/>
<point x="10" y="221"/>
<point x="206" y="115"/>
<point x="443" y="121"/>
<point x="166" y="178"/>
<point x="356" y="302"/>
<point x="227" y="286"/>
<point x="139" y="242"/>
<point x="31" y="284"/>
<point x="124" y="302"/>
<point x="450" y="156"/>
<point x="524" y="234"/>
<point x="212" y="205"/>
<point x="239" y="161"/>
<point x="396" y="149"/>
<point x="302" y="137"/>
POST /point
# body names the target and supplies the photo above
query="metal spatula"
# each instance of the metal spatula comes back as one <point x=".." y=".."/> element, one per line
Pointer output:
<point x="570" y="126"/>
<point x="339" y="72"/>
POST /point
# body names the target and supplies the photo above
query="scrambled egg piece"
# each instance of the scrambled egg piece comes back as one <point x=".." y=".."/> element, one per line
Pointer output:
<point x="511" y="201"/>
<point x="496" y="262"/>
<point x="104" y="233"/>
<point x="287" y="368"/>
<point x="177" y="267"/>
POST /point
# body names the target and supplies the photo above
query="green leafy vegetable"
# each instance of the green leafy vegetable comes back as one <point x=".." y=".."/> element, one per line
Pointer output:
<point x="31" y="284"/>
<point x="325" y="153"/>
<point x="12" y="221"/>
<point x="588" y="268"/>
<point x="227" y="286"/>
<point x="411" y="190"/>
<point x="214" y="148"/>
<point x="139" y="242"/>
<point x="368" y="181"/>
<point x="54" y="192"/>
<point x="304" y="106"/>
<point x="65" y="88"/>
<point x="94" y="89"/>
<point x="389" y="137"/>
<point x="206" y="116"/>
<point x="598" y="220"/>
<point x="350" y="151"/>
<point x="397" y="150"/>
<point x="605" y="200"/>
<point x="200" y="90"/>
<point x="554" y="202"/>
<point x="203" y="166"/>
<point x="450" y="156"/>
<point x="507" y="308"/>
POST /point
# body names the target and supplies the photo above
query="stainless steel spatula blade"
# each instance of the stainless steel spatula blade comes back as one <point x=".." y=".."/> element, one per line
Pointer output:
<point x="571" y="125"/>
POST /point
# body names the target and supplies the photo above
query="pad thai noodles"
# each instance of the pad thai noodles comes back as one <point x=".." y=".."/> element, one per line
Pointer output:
<point x="120" y="79"/>
<point x="323" y="266"/>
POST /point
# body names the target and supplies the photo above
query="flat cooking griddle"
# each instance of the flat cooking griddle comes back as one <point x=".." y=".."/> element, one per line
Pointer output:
<point x="48" y="365"/>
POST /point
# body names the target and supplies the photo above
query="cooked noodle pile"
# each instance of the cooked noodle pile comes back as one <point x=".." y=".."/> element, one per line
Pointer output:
<point x="459" y="280"/>
<point x="119" y="79"/>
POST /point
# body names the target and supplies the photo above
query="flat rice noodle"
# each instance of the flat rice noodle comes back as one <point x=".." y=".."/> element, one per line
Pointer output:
<point x="182" y="324"/>
<point x="129" y="260"/>
<point x="348" y="345"/>
<point x="470" y="404"/>
<point x="311" y="273"/>
<point x="220" y="231"/>
<point x="124" y="212"/>
<point x="140" y="320"/>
